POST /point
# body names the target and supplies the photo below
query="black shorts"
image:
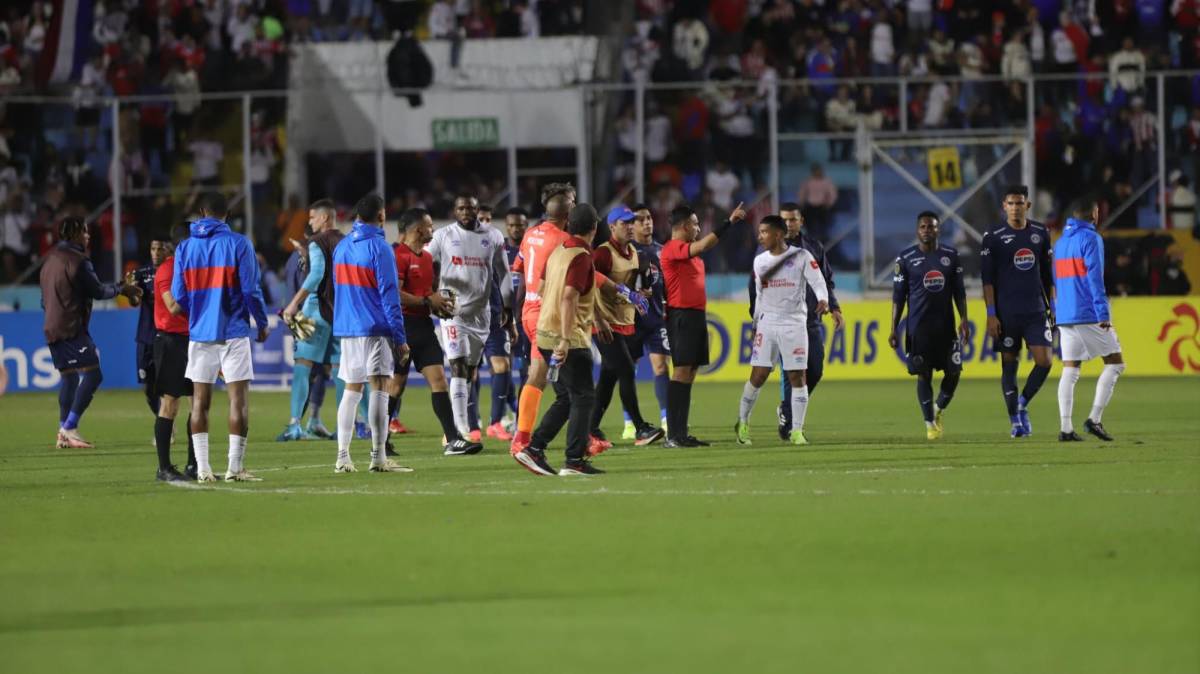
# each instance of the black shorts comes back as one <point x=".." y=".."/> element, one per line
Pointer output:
<point x="145" y="362"/>
<point x="75" y="353"/>
<point x="935" y="348"/>
<point x="1033" y="329"/>
<point x="423" y="347"/>
<point x="170" y="365"/>
<point x="687" y="332"/>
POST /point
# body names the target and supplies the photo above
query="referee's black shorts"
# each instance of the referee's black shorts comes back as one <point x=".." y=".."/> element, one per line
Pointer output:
<point x="423" y="347"/>
<point x="687" y="332"/>
<point x="170" y="365"/>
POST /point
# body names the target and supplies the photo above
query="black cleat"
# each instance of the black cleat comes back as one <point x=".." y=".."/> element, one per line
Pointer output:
<point x="785" y="424"/>
<point x="534" y="460"/>
<point x="462" y="447"/>
<point x="171" y="474"/>
<point x="389" y="449"/>
<point x="671" y="443"/>
<point x="190" y="471"/>
<point x="693" y="441"/>
<point x="1097" y="429"/>
<point x="579" y="467"/>
<point x="647" y="435"/>
<point x="1069" y="437"/>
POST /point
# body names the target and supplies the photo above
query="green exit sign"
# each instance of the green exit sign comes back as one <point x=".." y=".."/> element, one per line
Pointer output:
<point x="466" y="133"/>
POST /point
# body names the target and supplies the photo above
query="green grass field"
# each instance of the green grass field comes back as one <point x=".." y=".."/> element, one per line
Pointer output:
<point x="872" y="550"/>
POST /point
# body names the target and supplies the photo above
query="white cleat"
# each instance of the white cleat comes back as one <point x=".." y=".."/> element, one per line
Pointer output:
<point x="241" y="476"/>
<point x="389" y="466"/>
<point x="345" y="467"/>
<point x="71" y="439"/>
<point x="206" y="476"/>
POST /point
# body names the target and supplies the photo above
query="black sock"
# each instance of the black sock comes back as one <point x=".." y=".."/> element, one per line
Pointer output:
<point x="685" y="408"/>
<point x="925" y="397"/>
<point x="946" y="394"/>
<point x="162" y="440"/>
<point x="501" y="390"/>
<point x="393" y="406"/>
<point x="1008" y="382"/>
<point x="473" y="405"/>
<point x="191" y="445"/>
<point x="674" y="399"/>
<point x="445" y="414"/>
<point x="1033" y="383"/>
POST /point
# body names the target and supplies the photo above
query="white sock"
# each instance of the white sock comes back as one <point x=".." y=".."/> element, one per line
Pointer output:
<point x="347" y="408"/>
<point x="377" y="418"/>
<point x="237" y="451"/>
<point x="1104" y="389"/>
<point x="1066" y="398"/>
<point x="799" y="407"/>
<point x="746" y="405"/>
<point x="200" y="444"/>
<point x="459" y="390"/>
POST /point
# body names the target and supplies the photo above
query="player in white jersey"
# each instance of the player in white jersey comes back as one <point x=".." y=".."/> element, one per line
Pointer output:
<point x="782" y="277"/>
<point x="471" y="265"/>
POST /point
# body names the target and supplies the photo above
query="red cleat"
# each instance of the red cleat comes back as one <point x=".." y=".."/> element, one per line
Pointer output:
<point x="476" y="436"/>
<point x="396" y="428"/>
<point x="497" y="431"/>
<point x="597" y="445"/>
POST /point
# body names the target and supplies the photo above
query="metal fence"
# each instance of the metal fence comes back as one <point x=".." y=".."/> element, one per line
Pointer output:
<point x="947" y="144"/>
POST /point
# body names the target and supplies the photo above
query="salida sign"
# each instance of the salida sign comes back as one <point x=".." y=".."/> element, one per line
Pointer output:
<point x="466" y="133"/>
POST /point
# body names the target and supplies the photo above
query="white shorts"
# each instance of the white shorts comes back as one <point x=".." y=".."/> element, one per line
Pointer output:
<point x="1087" y="341"/>
<point x="775" y="342"/>
<point x="230" y="358"/>
<point x="461" y="342"/>
<point x="365" y="357"/>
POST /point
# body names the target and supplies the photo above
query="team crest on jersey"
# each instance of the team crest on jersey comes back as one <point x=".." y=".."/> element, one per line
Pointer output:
<point x="1023" y="259"/>
<point x="956" y="358"/>
<point x="934" y="281"/>
<point x="1008" y="341"/>
<point x="798" y="351"/>
<point x="1049" y="335"/>
<point x="945" y="261"/>
<point x="1036" y="238"/>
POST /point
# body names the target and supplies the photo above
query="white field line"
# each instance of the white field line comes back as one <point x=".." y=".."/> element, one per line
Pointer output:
<point x="603" y="491"/>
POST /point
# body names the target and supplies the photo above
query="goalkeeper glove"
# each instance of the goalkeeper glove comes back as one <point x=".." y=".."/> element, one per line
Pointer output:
<point x="635" y="298"/>
<point x="302" y="327"/>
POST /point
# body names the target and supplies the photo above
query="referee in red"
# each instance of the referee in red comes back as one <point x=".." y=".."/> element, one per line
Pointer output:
<point x="687" y="326"/>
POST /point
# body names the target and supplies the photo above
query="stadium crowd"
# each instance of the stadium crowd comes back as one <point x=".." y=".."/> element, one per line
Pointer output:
<point x="705" y="146"/>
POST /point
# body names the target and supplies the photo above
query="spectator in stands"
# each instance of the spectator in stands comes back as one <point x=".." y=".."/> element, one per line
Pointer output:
<point x="14" y="234"/>
<point x="1015" y="63"/>
<point x="241" y="27"/>
<point x="1144" y="125"/>
<point x="818" y="197"/>
<point x="942" y="54"/>
<point x="207" y="153"/>
<point x="1127" y="68"/>
<point x="1172" y="279"/>
<point x="87" y="109"/>
<point x="920" y="20"/>
<point x="1181" y="202"/>
<point x="183" y="81"/>
<point x="841" y="117"/>
<point x="442" y="22"/>
<point x="722" y="184"/>
<point x="883" y="47"/>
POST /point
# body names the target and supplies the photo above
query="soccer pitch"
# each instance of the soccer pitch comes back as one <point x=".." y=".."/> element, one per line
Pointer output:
<point x="871" y="550"/>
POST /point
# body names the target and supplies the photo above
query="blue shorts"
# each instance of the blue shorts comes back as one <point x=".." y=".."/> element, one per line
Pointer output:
<point x="650" y="338"/>
<point x="1032" y="328"/>
<point x="498" y="343"/>
<point x="75" y="353"/>
<point x="320" y="347"/>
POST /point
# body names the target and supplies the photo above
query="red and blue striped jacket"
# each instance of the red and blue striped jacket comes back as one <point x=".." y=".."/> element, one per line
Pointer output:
<point x="217" y="282"/>
<point x="366" y="298"/>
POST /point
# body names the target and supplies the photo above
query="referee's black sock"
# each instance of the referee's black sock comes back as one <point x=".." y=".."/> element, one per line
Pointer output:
<point x="393" y="406"/>
<point x="925" y="397"/>
<point x="685" y="408"/>
<point x="674" y="398"/>
<point x="445" y="414"/>
<point x="162" y="440"/>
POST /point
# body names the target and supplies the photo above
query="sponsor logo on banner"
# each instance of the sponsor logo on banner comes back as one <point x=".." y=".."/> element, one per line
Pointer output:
<point x="1023" y="259"/>
<point x="1183" y="335"/>
<point x="934" y="281"/>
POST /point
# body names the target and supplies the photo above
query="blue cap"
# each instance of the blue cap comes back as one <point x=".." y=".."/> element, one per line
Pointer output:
<point x="620" y="214"/>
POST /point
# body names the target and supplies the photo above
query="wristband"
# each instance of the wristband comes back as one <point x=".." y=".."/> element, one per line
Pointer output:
<point x="720" y="229"/>
<point x="991" y="310"/>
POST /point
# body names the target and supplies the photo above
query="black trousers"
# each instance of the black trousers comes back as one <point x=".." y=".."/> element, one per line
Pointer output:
<point x="617" y="366"/>
<point x="574" y="396"/>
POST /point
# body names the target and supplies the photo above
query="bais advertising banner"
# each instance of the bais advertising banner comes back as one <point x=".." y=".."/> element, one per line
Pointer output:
<point x="1159" y="336"/>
